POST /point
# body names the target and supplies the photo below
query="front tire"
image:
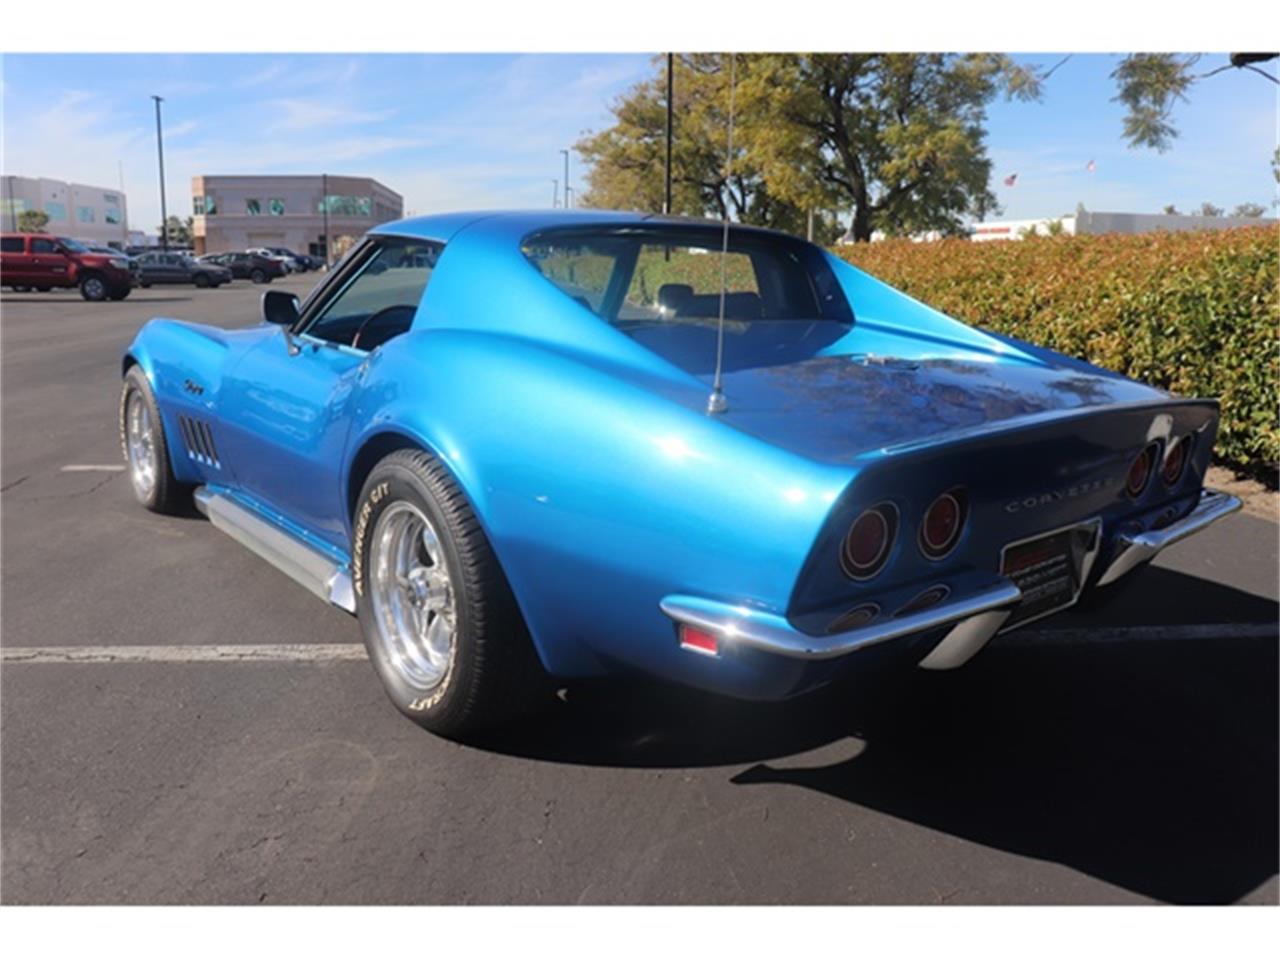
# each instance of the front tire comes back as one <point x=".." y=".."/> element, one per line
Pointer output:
<point x="146" y="451"/>
<point x="93" y="288"/>
<point x="201" y="281"/>
<point x="439" y="620"/>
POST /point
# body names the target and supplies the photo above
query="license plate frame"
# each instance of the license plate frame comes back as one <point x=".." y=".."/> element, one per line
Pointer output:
<point x="1051" y="568"/>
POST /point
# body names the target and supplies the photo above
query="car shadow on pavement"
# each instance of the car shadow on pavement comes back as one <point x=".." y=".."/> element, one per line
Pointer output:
<point x="1150" y="765"/>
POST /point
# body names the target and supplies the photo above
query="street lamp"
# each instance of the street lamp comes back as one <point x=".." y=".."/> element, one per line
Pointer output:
<point x="324" y="208"/>
<point x="164" y="212"/>
<point x="566" y="178"/>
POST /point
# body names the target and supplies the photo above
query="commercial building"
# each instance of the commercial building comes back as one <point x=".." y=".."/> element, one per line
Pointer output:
<point x="77" y="210"/>
<point x="238" y="212"/>
<point x="1088" y="221"/>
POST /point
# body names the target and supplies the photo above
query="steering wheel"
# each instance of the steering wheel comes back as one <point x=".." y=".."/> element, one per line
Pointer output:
<point x="368" y="321"/>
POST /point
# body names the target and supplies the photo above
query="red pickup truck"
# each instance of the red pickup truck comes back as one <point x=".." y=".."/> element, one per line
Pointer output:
<point x="38" y="261"/>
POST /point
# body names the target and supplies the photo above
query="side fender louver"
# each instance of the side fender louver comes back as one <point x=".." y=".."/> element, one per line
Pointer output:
<point x="198" y="439"/>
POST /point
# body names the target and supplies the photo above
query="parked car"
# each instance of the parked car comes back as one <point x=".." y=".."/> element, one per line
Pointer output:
<point x="300" y="262"/>
<point x="37" y="261"/>
<point x="290" y="265"/>
<point x="511" y="454"/>
<point x="160" y="268"/>
<point x="248" y="266"/>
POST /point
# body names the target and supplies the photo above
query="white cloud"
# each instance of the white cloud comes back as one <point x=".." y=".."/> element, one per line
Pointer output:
<point x="293" y="115"/>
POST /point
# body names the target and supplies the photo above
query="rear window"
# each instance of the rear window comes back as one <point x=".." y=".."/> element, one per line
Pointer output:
<point x="12" y="245"/>
<point x="672" y="275"/>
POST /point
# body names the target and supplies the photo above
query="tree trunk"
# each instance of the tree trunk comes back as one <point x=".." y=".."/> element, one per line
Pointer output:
<point x="862" y="217"/>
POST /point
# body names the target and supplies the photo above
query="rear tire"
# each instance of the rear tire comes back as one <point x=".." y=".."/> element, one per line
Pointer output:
<point x="439" y="620"/>
<point x="146" y="451"/>
<point x="93" y="287"/>
<point x="258" y="276"/>
<point x="201" y="281"/>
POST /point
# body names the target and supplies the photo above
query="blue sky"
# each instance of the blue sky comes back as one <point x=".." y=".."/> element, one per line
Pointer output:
<point x="452" y="131"/>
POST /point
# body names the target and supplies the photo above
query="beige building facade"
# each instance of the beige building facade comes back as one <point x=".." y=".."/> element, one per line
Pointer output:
<point x="76" y="210"/>
<point x="238" y="212"/>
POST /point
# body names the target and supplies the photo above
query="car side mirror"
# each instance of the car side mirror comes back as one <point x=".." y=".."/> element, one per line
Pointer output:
<point x="280" y="308"/>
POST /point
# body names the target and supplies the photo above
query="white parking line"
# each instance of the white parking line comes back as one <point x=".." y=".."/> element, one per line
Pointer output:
<point x="196" y="653"/>
<point x="93" y="468"/>
<point x="324" y="652"/>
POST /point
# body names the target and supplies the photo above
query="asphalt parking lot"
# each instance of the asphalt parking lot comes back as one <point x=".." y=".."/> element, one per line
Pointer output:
<point x="1121" y="754"/>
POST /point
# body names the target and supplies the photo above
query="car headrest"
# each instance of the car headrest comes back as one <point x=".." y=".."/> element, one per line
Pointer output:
<point x="672" y="295"/>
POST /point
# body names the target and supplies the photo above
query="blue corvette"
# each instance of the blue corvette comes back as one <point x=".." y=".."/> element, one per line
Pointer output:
<point x="489" y="436"/>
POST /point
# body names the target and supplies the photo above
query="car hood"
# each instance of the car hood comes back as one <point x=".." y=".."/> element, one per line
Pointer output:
<point x="834" y="408"/>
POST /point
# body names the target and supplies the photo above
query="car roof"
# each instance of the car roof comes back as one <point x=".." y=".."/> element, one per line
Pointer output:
<point x="443" y="226"/>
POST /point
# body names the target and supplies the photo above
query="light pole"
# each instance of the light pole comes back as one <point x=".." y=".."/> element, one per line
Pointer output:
<point x="324" y="208"/>
<point x="666" y="202"/>
<point x="566" y="178"/>
<point x="164" y="211"/>
<point x="555" y="193"/>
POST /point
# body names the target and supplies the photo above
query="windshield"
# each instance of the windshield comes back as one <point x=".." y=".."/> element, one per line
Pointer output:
<point x="74" y="246"/>
<point x="672" y="275"/>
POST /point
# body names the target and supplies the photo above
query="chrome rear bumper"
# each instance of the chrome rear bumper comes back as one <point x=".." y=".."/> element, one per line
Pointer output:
<point x="738" y="625"/>
<point x="974" y="618"/>
<point x="1132" y="549"/>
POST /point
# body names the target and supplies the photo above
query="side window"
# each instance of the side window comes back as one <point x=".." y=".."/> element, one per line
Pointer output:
<point x="12" y="245"/>
<point x="43" y="245"/>
<point x="379" y="299"/>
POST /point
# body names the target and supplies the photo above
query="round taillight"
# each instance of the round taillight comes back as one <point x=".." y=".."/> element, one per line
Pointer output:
<point x="866" y="546"/>
<point x="943" y="523"/>
<point x="1175" y="461"/>
<point x="1140" y="471"/>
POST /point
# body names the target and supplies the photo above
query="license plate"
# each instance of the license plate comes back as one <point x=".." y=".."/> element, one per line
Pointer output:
<point x="1049" y="569"/>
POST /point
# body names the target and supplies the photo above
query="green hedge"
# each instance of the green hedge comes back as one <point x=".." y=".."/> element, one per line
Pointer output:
<point x="1197" y="313"/>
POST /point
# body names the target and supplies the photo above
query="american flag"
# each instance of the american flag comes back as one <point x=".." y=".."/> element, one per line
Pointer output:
<point x="1010" y="180"/>
<point x="1091" y="166"/>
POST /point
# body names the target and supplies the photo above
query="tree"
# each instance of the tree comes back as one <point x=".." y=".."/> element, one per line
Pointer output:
<point x="898" y="138"/>
<point x="1207" y="209"/>
<point x="1248" y="209"/>
<point x="627" y="159"/>
<point x="1171" y="210"/>
<point x="32" y="221"/>
<point x="1151" y="84"/>
<point x="179" y="231"/>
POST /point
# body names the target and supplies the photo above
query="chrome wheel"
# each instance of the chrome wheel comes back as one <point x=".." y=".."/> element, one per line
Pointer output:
<point x="411" y="594"/>
<point x="94" y="288"/>
<point x="141" y="445"/>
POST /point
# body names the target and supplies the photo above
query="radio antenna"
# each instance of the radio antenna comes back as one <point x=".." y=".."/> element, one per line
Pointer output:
<point x="717" y="403"/>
